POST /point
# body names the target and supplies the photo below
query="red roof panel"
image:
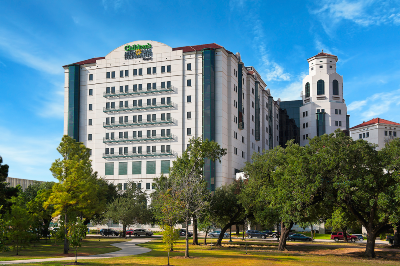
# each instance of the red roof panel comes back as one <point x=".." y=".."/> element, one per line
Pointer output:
<point x="323" y="54"/>
<point x="376" y="121"/>
<point x="87" y="61"/>
<point x="186" y="49"/>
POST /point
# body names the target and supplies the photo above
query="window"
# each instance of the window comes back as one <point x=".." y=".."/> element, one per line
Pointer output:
<point x="340" y="111"/>
<point x="147" y="186"/>
<point x="121" y="88"/>
<point x="90" y="107"/>
<point x="168" y="100"/>
<point x="360" y="136"/>
<point x="162" y="132"/>
<point x="139" y="118"/>
<point x="135" y="72"/>
<point x="140" y="72"/>
<point x="189" y="115"/>
<point x="112" y="105"/>
<point x="169" y="68"/>
<point x="320" y="66"/>
<point x="107" y="151"/>
<point x="234" y="150"/>
<point x="320" y="87"/>
<point x="336" y="111"/>
<point x="154" y="86"/>
<point x="107" y="89"/>
<point x="149" y="71"/>
<point x="126" y="73"/>
<point x="304" y="137"/>
<point x="243" y="154"/>
<point x="154" y="101"/>
<point x="390" y="133"/>
<point x="139" y="185"/>
<point x="113" y="75"/>
<point x="252" y="90"/>
<point x="168" y="84"/>
<point x="335" y="84"/>
<point x="306" y="113"/>
<point x="252" y="104"/>
<point x="112" y="89"/>
<point x="153" y="148"/>
<point x="189" y="98"/>
<point x="89" y="136"/>
<point x="163" y="100"/>
<point x="386" y="133"/>
<point x="109" y="168"/>
<point x="148" y="86"/>
<point x="163" y="85"/>
<point x="307" y="89"/>
<point x="393" y="134"/>
<point x="154" y="117"/>
<point x="307" y="124"/>
<point x="189" y="131"/>
<point x="121" y="74"/>
<point x="189" y="66"/>
<point x="108" y="75"/>
<point x="139" y="149"/>
<point x="336" y="123"/>
<point x="165" y="164"/>
<point x="363" y="135"/>
<point x="304" y="125"/>
<point x="90" y="122"/>
<point x="90" y="76"/>
<point x="189" y="82"/>
<point x="242" y="139"/>
<point x="162" y="116"/>
<point x="330" y="66"/>
<point x="150" y="167"/>
<point x="163" y="69"/>
<point x="154" y="70"/>
<point x="340" y="123"/>
<point x="123" y="168"/>
<point x="252" y="118"/>
<point x="136" y="168"/>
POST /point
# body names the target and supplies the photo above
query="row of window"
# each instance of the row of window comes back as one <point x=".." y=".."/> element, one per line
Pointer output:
<point x="235" y="151"/>
<point x="305" y="136"/>
<point x="138" y="150"/>
<point x="338" y="123"/>
<point x="363" y="135"/>
<point x="321" y="88"/>
<point x="137" y="168"/>
<point x="305" y="125"/>
<point x="305" y="113"/>
<point x="138" y="185"/>
<point x="136" y="72"/>
<point x="390" y="133"/>
<point x="138" y="118"/>
<point x="338" y="111"/>
<point x="138" y="134"/>
<point x="139" y="87"/>
<point x="150" y="102"/>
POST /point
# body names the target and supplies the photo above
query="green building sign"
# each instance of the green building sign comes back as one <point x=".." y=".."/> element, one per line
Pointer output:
<point x="139" y="51"/>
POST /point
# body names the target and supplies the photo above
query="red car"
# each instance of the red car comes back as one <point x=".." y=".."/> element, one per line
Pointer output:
<point x="339" y="236"/>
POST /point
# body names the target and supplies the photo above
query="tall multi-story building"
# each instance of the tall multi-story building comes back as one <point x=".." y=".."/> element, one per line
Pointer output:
<point x="137" y="107"/>
<point x="377" y="131"/>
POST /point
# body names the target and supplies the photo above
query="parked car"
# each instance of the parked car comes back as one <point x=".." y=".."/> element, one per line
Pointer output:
<point x="216" y="234"/>
<point x="129" y="232"/>
<point x="255" y="233"/>
<point x="339" y="236"/>
<point x="108" y="232"/>
<point x="300" y="237"/>
<point x="360" y="237"/>
<point x="142" y="232"/>
<point x="270" y="233"/>
<point x="182" y="232"/>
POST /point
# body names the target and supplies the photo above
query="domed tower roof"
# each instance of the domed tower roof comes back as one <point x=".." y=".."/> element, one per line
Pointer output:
<point x="322" y="54"/>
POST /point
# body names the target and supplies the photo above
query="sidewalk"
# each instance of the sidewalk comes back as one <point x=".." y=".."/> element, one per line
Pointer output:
<point x="127" y="249"/>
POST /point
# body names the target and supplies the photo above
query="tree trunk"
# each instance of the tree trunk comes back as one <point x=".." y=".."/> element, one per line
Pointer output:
<point x="277" y="231"/>
<point x="284" y="234"/>
<point x="312" y="238"/>
<point x="195" y="237"/>
<point x="205" y="237"/>
<point x="66" y="233"/>
<point x="123" y="230"/>
<point x="396" y="238"/>
<point x="221" y="235"/>
<point x="370" y="249"/>
<point x="76" y="255"/>
<point x="187" y="238"/>
<point x="168" y="257"/>
<point x="345" y="234"/>
<point x="237" y="229"/>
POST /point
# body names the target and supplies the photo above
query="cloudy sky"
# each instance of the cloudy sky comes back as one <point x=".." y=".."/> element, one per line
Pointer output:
<point x="38" y="37"/>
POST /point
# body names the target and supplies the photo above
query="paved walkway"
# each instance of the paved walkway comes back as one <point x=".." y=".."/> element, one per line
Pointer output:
<point x="127" y="248"/>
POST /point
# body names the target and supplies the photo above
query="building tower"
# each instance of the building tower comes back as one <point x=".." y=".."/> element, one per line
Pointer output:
<point x="324" y="109"/>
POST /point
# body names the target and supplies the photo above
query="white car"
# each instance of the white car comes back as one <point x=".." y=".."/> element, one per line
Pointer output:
<point x="216" y="234"/>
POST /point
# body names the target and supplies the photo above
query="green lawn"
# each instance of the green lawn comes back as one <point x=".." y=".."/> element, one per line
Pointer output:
<point x="318" y="236"/>
<point x="258" y="253"/>
<point x="90" y="246"/>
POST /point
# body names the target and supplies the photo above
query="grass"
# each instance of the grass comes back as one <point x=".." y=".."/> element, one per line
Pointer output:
<point x="90" y="246"/>
<point x="318" y="236"/>
<point x="258" y="253"/>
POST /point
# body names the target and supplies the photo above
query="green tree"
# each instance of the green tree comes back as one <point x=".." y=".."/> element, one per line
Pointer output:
<point x="186" y="178"/>
<point x="226" y="208"/>
<point x="3" y="233"/>
<point x="342" y="220"/>
<point x="284" y="186"/>
<point x="170" y="236"/>
<point x="362" y="179"/>
<point x="76" y="232"/>
<point x="129" y="208"/>
<point x="76" y="193"/>
<point x="18" y="222"/>
<point x="6" y="192"/>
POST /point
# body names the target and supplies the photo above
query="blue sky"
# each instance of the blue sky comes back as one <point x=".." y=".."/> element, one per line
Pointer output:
<point x="38" y="37"/>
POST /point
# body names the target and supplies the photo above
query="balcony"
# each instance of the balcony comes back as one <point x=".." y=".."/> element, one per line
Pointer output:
<point x="138" y="124"/>
<point x="145" y="91"/>
<point x="138" y="108"/>
<point x="138" y="155"/>
<point x="157" y="138"/>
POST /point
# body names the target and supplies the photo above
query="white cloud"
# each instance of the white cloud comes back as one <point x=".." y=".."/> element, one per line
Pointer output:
<point x="52" y="103"/>
<point x="16" y="49"/>
<point x="360" y="12"/>
<point x="356" y="105"/>
<point x="320" y="46"/>
<point x="28" y="156"/>
<point x="290" y="92"/>
<point x="116" y="4"/>
<point x="376" y="105"/>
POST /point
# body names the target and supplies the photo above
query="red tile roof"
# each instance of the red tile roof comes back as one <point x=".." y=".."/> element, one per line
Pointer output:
<point x="250" y="72"/>
<point x="322" y="54"/>
<point x="376" y="121"/>
<point x="87" y="61"/>
<point x="186" y="49"/>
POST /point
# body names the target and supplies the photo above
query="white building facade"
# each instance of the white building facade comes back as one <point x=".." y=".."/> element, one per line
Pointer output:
<point x="377" y="131"/>
<point x="137" y="107"/>
<point x="324" y="109"/>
